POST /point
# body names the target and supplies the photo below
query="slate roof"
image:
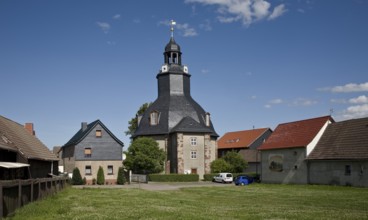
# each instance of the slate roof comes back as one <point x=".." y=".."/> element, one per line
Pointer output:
<point x="177" y="113"/>
<point x="295" y="134"/>
<point x="343" y="140"/>
<point x="19" y="139"/>
<point x="240" y="139"/>
<point x="80" y="135"/>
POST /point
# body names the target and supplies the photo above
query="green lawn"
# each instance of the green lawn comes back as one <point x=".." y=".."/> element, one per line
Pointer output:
<point x="256" y="201"/>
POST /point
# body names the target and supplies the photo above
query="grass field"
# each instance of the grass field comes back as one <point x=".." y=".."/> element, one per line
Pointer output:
<point x="256" y="201"/>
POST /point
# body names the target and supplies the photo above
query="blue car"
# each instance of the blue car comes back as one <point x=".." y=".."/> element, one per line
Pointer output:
<point x="243" y="180"/>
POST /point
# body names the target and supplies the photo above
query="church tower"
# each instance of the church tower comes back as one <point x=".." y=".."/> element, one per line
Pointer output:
<point x="177" y="122"/>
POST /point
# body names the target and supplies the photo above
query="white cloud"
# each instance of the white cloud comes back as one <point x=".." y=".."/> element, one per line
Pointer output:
<point x="350" y="87"/>
<point x="184" y="29"/>
<point x="276" y="101"/>
<point x="105" y="27"/>
<point x="253" y="97"/>
<point x="267" y="106"/>
<point x="338" y="101"/>
<point x="359" y="100"/>
<point x="356" y="111"/>
<point x="117" y="16"/>
<point x="205" y="71"/>
<point x="206" y="25"/>
<point x="136" y="21"/>
<point x="304" y="102"/>
<point x="277" y="12"/>
<point x="246" y="11"/>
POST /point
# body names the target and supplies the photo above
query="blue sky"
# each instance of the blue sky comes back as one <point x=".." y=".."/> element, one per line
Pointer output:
<point x="254" y="63"/>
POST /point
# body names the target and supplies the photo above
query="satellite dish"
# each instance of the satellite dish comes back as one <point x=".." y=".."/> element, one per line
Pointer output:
<point x="123" y="156"/>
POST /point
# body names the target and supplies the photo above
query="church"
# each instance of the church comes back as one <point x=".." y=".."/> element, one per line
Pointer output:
<point x="179" y="124"/>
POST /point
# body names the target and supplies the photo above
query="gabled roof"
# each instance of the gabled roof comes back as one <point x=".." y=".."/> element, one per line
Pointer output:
<point x="81" y="134"/>
<point x="343" y="140"/>
<point x="188" y="124"/>
<point x="295" y="134"/>
<point x="240" y="139"/>
<point x="28" y="145"/>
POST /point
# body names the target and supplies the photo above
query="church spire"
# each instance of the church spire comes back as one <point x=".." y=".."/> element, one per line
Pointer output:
<point x="172" y="24"/>
<point x="172" y="52"/>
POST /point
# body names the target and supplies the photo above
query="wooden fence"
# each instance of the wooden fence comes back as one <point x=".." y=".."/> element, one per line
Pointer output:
<point x="17" y="193"/>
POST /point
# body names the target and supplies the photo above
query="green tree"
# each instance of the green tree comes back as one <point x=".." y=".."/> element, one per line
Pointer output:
<point x="133" y="123"/>
<point x="220" y="165"/>
<point x="236" y="161"/>
<point x="100" y="176"/>
<point x="77" y="178"/>
<point x="121" y="176"/>
<point x="145" y="156"/>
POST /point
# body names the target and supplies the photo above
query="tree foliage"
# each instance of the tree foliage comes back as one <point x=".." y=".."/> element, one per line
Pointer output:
<point x="133" y="123"/>
<point x="77" y="178"/>
<point x="236" y="162"/>
<point x="121" y="176"/>
<point x="144" y="156"/>
<point x="220" y="165"/>
<point x="100" y="176"/>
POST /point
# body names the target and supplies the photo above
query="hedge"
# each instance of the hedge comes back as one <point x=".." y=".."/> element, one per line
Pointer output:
<point x="173" y="177"/>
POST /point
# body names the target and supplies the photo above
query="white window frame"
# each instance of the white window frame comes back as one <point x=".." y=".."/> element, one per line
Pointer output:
<point x="193" y="154"/>
<point x="90" y="170"/>
<point x="193" y="141"/>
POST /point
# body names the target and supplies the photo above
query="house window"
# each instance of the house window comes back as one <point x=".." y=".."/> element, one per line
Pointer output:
<point x="87" y="152"/>
<point x="193" y="141"/>
<point x="193" y="154"/>
<point x="98" y="133"/>
<point x="110" y="170"/>
<point x="88" y="170"/>
<point x="154" y="118"/>
<point x="347" y="170"/>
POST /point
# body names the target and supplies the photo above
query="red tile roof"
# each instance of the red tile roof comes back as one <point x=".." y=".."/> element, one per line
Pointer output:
<point x="295" y="134"/>
<point x="240" y="139"/>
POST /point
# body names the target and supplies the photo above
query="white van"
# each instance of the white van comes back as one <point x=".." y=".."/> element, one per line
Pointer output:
<point x="223" y="178"/>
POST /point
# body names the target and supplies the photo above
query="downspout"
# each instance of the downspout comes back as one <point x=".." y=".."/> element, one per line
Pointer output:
<point x="52" y="168"/>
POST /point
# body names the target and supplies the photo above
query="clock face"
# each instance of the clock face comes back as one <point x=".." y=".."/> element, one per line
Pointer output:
<point x="164" y="68"/>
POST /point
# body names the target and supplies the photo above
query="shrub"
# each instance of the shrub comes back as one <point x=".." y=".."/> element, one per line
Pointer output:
<point x="77" y="178"/>
<point x="100" y="176"/>
<point x="121" y="176"/>
<point x="94" y="181"/>
<point x="236" y="162"/>
<point x="173" y="177"/>
<point x="84" y="181"/>
<point x="220" y="165"/>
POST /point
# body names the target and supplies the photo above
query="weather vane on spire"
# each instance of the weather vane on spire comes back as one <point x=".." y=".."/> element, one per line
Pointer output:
<point x="172" y="24"/>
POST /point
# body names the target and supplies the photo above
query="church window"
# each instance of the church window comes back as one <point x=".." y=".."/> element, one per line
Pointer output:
<point x="193" y="154"/>
<point x="193" y="141"/>
<point x="154" y="118"/>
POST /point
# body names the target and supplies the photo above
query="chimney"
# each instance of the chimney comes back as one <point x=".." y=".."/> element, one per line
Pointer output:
<point x="208" y="117"/>
<point x="29" y="128"/>
<point x="84" y="126"/>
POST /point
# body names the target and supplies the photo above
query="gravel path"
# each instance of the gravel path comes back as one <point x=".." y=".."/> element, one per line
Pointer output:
<point x="157" y="186"/>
